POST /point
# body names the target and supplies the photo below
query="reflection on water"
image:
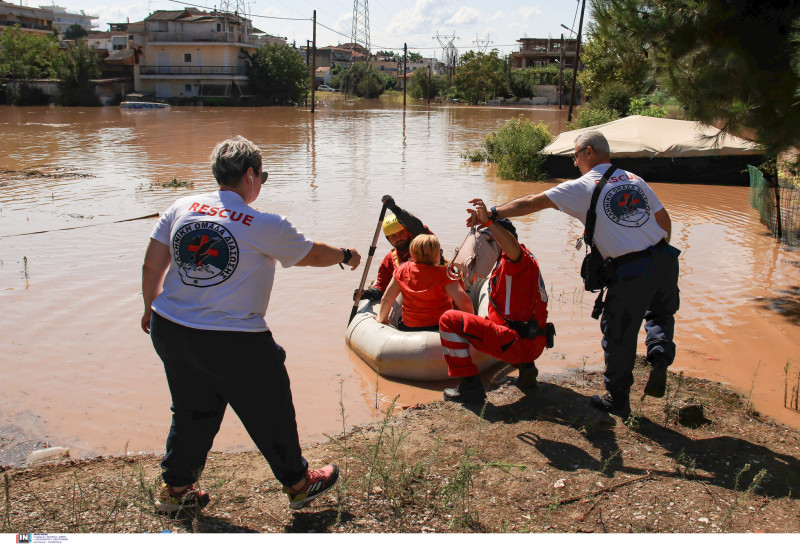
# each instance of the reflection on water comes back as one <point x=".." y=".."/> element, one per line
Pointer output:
<point x="79" y="371"/>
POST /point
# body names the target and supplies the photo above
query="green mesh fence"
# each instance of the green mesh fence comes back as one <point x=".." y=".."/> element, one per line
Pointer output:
<point x="779" y="210"/>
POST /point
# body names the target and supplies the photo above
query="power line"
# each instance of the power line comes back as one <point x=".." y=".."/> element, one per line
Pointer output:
<point x="261" y="16"/>
<point x="309" y="19"/>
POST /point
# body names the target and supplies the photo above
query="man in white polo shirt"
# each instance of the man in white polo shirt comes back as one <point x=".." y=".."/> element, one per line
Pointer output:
<point x="633" y="230"/>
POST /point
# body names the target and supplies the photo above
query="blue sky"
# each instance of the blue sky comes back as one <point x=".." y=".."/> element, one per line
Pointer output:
<point x="392" y="22"/>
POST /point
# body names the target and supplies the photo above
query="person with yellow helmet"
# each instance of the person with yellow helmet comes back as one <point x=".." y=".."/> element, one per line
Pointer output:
<point x="399" y="229"/>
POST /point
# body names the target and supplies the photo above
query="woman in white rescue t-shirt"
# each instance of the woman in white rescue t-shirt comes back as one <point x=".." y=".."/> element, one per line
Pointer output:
<point x="206" y="282"/>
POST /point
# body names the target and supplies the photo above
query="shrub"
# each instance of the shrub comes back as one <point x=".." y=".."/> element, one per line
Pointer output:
<point x="640" y="106"/>
<point x="590" y="116"/>
<point x="661" y="96"/>
<point x="516" y="149"/>
<point x="474" y="155"/>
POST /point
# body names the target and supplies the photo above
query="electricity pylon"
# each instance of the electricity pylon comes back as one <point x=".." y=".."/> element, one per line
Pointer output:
<point x="449" y="52"/>
<point x="360" y="34"/>
<point x="483" y="45"/>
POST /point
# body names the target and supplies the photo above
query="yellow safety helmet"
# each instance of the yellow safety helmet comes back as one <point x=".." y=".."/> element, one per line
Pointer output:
<point x="391" y="225"/>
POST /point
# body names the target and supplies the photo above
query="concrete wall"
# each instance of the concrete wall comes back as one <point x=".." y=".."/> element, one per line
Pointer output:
<point x="47" y="86"/>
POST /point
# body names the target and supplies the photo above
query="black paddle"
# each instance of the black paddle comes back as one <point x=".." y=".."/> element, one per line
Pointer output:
<point x="372" y="248"/>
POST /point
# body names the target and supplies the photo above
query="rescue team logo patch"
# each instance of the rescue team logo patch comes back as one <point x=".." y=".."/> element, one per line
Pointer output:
<point x="626" y="205"/>
<point x="206" y="253"/>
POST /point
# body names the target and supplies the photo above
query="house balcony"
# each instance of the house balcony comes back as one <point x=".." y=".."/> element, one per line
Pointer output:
<point x="27" y="25"/>
<point x="543" y="52"/>
<point x="212" y="37"/>
<point x="192" y="70"/>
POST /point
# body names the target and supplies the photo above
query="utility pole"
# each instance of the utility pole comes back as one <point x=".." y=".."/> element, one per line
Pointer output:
<point x="561" y="74"/>
<point x="314" y="61"/>
<point x="430" y="76"/>
<point x="405" y="72"/>
<point x="575" y="68"/>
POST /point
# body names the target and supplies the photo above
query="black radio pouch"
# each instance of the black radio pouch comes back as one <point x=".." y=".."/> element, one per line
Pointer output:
<point x="597" y="273"/>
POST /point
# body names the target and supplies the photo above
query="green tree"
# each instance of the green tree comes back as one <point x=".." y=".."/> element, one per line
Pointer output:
<point x="728" y="61"/>
<point x="614" y="96"/>
<point x="522" y="83"/>
<point x="27" y="56"/>
<point x="75" y="68"/>
<point x="388" y="81"/>
<point x="613" y="56"/>
<point x="362" y="79"/>
<point x="412" y="56"/>
<point x="278" y="76"/>
<point x="74" y="32"/>
<point x="419" y="82"/>
<point x="480" y="77"/>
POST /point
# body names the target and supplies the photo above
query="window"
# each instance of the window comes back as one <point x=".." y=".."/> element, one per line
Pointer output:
<point x="219" y="27"/>
<point x="187" y="88"/>
<point x="187" y="57"/>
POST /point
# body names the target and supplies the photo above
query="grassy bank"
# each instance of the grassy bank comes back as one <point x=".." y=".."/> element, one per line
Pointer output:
<point x="543" y="462"/>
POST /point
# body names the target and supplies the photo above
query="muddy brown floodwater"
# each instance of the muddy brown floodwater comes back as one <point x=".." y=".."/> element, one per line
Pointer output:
<point x="77" y="371"/>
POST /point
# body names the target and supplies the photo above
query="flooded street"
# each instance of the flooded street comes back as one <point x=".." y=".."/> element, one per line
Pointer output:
<point x="78" y="371"/>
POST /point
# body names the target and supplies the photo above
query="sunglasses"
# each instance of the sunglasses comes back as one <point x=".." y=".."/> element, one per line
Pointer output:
<point x="264" y="176"/>
<point x="575" y="155"/>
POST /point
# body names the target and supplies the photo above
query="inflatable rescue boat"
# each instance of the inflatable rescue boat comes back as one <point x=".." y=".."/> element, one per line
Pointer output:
<point x="413" y="355"/>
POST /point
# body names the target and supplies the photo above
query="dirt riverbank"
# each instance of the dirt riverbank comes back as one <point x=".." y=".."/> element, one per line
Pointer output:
<point x="542" y="462"/>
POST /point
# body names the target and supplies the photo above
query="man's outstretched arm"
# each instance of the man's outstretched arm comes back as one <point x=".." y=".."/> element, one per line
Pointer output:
<point x="525" y="205"/>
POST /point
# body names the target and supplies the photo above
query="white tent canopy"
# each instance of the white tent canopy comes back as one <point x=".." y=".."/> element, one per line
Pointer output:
<point x="640" y="136"/>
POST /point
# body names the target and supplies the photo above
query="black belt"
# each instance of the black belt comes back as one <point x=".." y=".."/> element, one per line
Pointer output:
<point x="636" y="255"/>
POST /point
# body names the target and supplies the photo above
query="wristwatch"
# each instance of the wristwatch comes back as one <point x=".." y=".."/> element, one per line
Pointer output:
<point x="493" y="213"/>
<point x="347" y="255"/>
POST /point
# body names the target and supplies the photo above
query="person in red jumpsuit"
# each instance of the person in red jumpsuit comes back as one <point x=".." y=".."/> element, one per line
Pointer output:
<point x="399" y="229"/>
<point x="514" y="330"/>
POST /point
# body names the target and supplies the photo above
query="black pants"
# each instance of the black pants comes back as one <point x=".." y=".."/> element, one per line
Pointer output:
<point x="206" y="371"/>
<point x="645" y="290"/>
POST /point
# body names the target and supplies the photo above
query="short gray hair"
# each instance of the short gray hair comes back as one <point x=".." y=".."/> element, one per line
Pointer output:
<point x="596" y="140"/>
<point x="231" y="159"/>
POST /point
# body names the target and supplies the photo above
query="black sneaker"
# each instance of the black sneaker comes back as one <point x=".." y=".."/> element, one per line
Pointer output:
<point x="317" y="483"/>
<point x="527" y="376"/>
<point x="619" y="406"/>
<point x="657" y="382"/>
<point x="468" y="390"/>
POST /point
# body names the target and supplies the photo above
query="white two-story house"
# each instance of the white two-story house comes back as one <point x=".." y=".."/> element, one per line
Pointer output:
<point x="193" y="53"/>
